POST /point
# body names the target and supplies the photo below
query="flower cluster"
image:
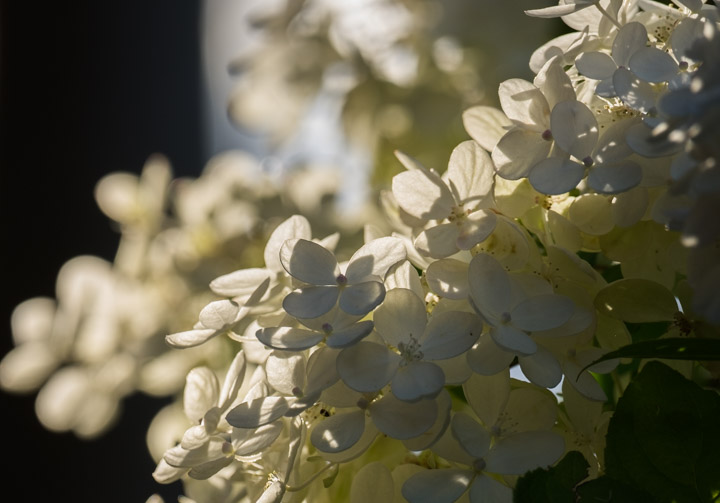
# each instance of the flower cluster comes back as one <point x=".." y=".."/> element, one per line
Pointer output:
<point x="101" y="338"/>
<point x="347" y="367"/>
<point x="459" y="345"/>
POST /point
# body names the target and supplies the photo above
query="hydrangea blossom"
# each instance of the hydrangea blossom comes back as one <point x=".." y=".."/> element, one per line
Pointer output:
<point x="391" y="359"/>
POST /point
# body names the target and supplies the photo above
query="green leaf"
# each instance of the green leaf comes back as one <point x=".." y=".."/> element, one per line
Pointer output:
<point x="664" y="438"/>
<point x="553" y="485"/>
<point x="636" y="300"/>
<point x="605" y="490"/>
<point x="677" y="348"/>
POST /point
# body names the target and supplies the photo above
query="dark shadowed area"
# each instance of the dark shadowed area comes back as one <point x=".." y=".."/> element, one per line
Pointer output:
<point x="87" y="88"/>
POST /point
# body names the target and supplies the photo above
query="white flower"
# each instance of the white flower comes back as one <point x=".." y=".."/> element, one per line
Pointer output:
<point x="416" y="342"/>
<point x="511" y="312"/>
<point x="605" y="161"/>
<point x="460" y="197"/>
<point x="529" y="107"/>
<point x="511" y="455"/>
<point x="336" y="329"/>
<point x="357" y="292"/>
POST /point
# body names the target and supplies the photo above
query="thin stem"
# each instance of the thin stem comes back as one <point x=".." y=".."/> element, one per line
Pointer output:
<point x="607" y="15"/>
<point x="309" y="481"/>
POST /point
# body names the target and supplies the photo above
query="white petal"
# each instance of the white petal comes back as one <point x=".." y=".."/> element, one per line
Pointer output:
<point x="605" y="88"/>
<point x="524" y="104"/>
<point x="449" y="334"/>
<point x="518" y="151"/>
<point x="488" y="395"/>
<point x="322" y="369"/>
<point x="201" y="393"/>
<point x="233" y="379"/>
<point x="296" y="339"/>
<point x="487" y="358"/>
<point x="477" y="226"/>
<point x="470" y="435"/>
<point x="634" y="92"/>
<point x="206" y="470"/>
<point x="542" y="312"/>
<point x="422" y="194"/>
<point x="436" y="431"/>
<point x="177" y="456"/>
<point x="32" y="320"/>
<point x="375" y="258"/>
<point x="686" y="32"/>
<point x="486" y="125"/>
<point x="361" y="298"/>
<point x="368" y="436"/>
<point x="555" y="175"/>
<point x="309" y="262"/>
<point x="448" y="278"/>
<point x="488" y="490"/>
<point x="529" y="408"/>
<point x="630" y="38"/>
<point x="339" y="432"/>
<point x="311" y="302"/>
<point x="574" y="128"/>
<point x="560" y="10"/>
<point x="404" y="275"/>
<point x="554" y="82"/>
<point x="27" y="366"/>
<point x="194" y="437"/>
<point x="490" y="286"/>
<point x="613" y="178"/>
<point x="456" y="369"/>
<point x="541" y="368"/>
<point x="285" y="371"/>
<point x="250" y="442"/>
<point x="437" y="486"/>
<point x="403" y="420"/>
<point x="367" y="366"/>
<point x="295" y="227"/>
<point x="592" y="213"/>
<point x="166" y="474"/>
<point x="583" y="382"/>
<point x="565" y="46"/>
<point x="512" y="339"/>
<point x="595" y="65"/>
<point x="373" y="482"/>
<point x="349" y="335"/>
<point x="653" y="65"/>
<point x="401" y="315"/>
<point x="612" y="145"/>
<point x="239" y="283"/>
<point x="258" y="412"/>
<point x="639" y="137"/>
<point x="190" y="338"/>
<point x="629" y="207"/>
<point x="470" y="173"/>
<point x="417" y="380"/>
<point x="525" y="451"/>
<point x="219" y="314"/>
<point x="439" y="241"/>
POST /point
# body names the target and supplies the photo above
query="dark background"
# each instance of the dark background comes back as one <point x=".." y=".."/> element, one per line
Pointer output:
<point x="87" y="88"/>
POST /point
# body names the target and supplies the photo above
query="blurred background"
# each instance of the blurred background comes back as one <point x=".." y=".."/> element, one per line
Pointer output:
<point x="88" y="88"/>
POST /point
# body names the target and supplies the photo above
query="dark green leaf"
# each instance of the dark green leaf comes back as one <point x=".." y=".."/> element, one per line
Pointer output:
<point x="553" y="485"/>
<point x="664" y="438"/>
<point x="678" y="348"/>
<point x="647" y="331"/>
<point x="607" y="490"/>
